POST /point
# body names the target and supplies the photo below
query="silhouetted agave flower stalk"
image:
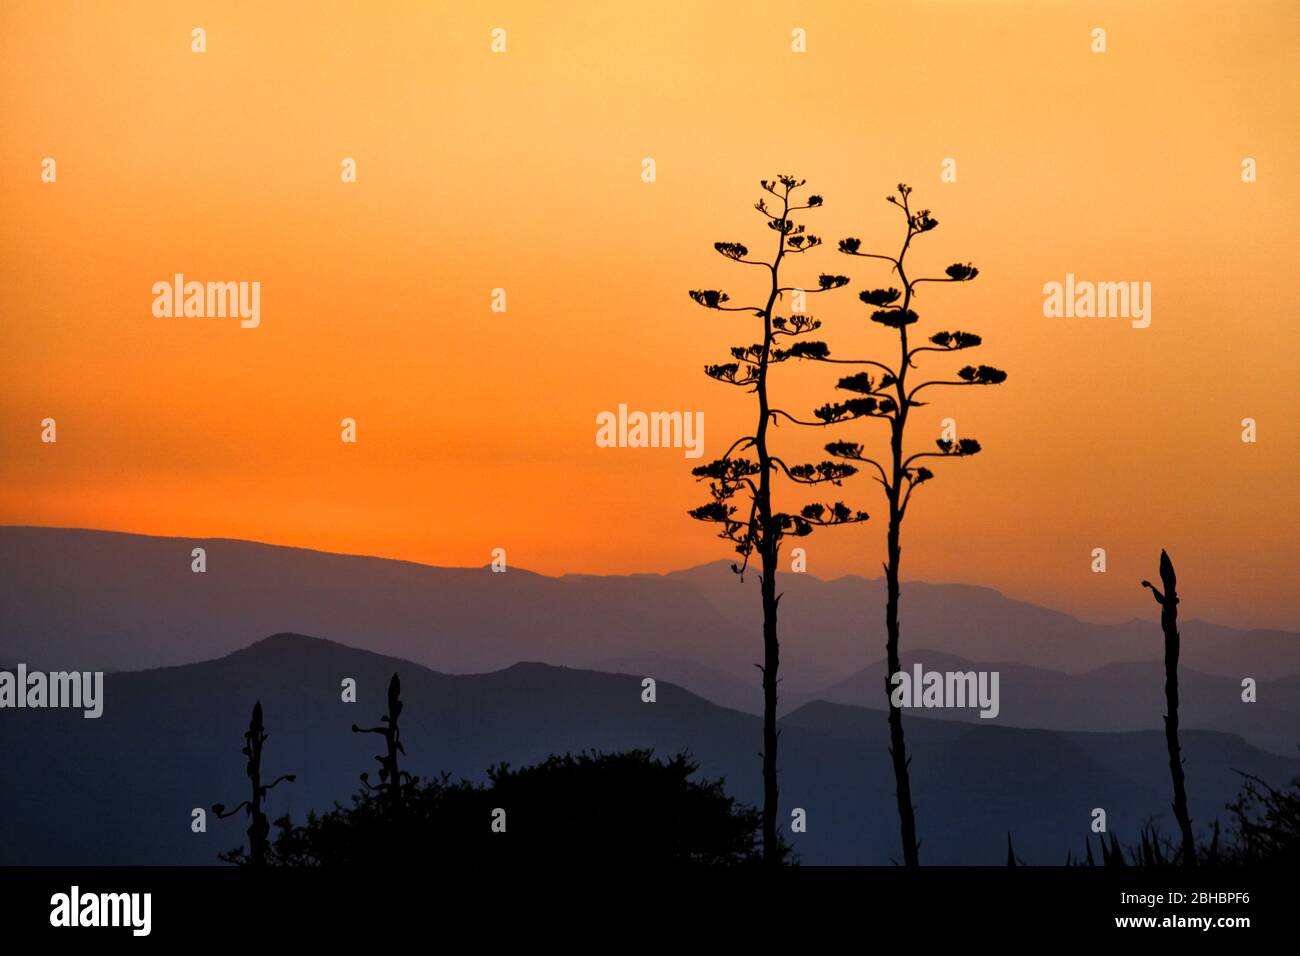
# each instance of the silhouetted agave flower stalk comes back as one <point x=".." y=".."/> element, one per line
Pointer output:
<point x="392" y="779"/>
<point x="1168" y="601"/>
<point x="756" y="525"/>
<point x="259" y="827"/>
<point x="883" y="391"/>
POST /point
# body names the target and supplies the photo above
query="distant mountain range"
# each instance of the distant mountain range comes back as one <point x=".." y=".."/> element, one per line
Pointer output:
<point x="1122" y="696"/>
<point x="1125" y="696"/>
<point x="104" y="600"/>
<point x="120" y="789"/>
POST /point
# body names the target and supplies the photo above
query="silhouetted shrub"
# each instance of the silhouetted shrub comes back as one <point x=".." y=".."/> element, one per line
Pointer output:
<point x="1264" y="831"/>
<point x="1266" y="825"/>
<point x="622" y="808"/>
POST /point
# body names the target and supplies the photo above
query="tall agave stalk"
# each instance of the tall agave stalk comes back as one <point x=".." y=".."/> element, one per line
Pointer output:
<point x="889" y="390"/>
<point x="1168" y="602"/>
<point x="393" y="780"/>
<point x="259" y="827"/>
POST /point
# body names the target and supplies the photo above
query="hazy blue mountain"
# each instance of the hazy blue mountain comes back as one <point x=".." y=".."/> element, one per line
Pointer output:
<point x="121" y="789"/>
<point x="977" y="623"/>
<point x="1121" y="696"/>
<point x="84" y="599"/>
<point x="101" y="599"/>
<point x="713" y="685"/>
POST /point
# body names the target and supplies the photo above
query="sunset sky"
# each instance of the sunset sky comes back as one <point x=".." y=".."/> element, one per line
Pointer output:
<point x="522" y="170"/>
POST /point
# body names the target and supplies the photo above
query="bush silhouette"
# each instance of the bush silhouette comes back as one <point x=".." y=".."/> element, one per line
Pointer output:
<point x="594" y="808"/>
<point x="1266" y="825"/>
<point x="1264" y="831"/>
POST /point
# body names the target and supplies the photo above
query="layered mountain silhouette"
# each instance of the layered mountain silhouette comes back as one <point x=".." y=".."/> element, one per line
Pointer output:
<point x="105" y="600"/>
<point x="1114" y="697"/>
<point x="1122" y="696"/>
<point x="121" y="789"/>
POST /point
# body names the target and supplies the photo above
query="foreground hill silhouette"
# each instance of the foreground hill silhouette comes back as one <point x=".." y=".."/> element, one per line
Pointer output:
<point x="119" y="601"/>
<point x="120" y="789"/>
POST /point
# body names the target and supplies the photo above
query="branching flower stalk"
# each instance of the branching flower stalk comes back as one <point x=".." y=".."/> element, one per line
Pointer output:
<point x="393" y="781"/>
<point x="740" y="484"/>
<point x="885" y="391"/>
<point x="259" y="827"/>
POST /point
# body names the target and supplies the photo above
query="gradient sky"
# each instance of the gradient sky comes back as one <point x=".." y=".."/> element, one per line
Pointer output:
<point x="522" y="170"/>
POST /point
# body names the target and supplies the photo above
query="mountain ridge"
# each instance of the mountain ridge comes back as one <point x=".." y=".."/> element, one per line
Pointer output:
<point x="113" y="600"/>
<point x="121" y="789"/>
<point x="707" y="566"/>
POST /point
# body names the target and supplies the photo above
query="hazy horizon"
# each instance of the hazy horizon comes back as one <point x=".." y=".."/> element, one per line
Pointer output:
<point x="719" y="562"/>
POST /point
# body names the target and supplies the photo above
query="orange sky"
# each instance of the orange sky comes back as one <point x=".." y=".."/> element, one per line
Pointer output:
<point x="522" y="170"/>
